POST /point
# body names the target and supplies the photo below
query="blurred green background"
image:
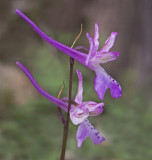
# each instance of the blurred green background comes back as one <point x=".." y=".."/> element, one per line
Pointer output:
<point x="29" y="125"/>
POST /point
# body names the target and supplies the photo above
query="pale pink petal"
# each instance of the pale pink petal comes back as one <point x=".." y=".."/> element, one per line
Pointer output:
<point x="103" y="81"/>
<point x="78" y="114"/>
<point x="78" y="98"/>
<point x="92" y="50"/>
<point x="109" y="43"/>
<point x="81" y="135"/>
<point x="96" y="36"/>
<point x="97" y="111"/>
<point x="106" y="57"/>
<point x="85" y="129"/>
<point x="94" y="108"/>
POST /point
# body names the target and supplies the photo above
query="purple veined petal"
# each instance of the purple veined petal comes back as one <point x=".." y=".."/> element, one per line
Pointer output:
<point x="79" y="56"/>
<point x="85" y="129"/>
<point x="109" y="43"/>
<point x="79" y="96"/>
<point x="96" y="112"/>
<point x="106" y="57"/>
<point x="92" y="50"/>
<point x="82" y="134"/>
<point x="96" y="36"/>
<point x="78" y="114"/>
<point x="94" y="108"/>
<point x="103" y="81"/>
<point x="54" y="100"/>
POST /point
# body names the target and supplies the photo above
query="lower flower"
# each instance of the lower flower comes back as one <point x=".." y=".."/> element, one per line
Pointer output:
<point x="79" y="112"/>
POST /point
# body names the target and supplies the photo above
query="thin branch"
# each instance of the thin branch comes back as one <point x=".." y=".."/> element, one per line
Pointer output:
<point x="59" y="111"/>
<point x="66" y="127"/>
<point x="77" y="36"/>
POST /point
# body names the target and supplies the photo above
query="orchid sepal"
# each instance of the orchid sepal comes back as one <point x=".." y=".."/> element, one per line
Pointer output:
<point x="94" y="108"/>
<point x="96" y="36"/>
<point x="109" y="43"/>
<point x="105" y="57"/>
<point x="79" y="96"/>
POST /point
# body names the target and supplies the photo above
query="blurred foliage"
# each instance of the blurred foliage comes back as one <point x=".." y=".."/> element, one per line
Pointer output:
<point x="33" y="131"/>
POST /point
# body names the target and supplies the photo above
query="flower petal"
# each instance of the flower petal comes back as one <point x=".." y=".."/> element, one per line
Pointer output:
<point x="103" y="81"/>
<point x="78" y="114"/>
<point x="106" y="57"/>
<point x="54" y="100"/>
<point x="96" y="36"/>
<point x="94" y="108"/>
<point x="92" y="50"/>
<point x="79" y="95"/>
<point x="109" y="43"/>
<point x="79" y="56"/>
<point x="97" y="111"/>
<point x="86" y="129"/>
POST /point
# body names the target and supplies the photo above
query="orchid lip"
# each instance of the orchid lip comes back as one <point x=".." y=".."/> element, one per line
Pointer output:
<point x="85" y="130"/>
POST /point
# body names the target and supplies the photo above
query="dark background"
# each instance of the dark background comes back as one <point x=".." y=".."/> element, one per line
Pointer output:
<point x="29" y="126"/>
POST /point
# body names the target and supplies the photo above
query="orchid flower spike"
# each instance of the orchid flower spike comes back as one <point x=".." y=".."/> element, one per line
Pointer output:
<point x="91" y="60"/>
<point x="79" y="112"/>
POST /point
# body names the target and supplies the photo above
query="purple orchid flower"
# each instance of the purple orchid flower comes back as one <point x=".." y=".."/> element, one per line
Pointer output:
<point x="79" y="112"/>
<point x="92" y="60"/>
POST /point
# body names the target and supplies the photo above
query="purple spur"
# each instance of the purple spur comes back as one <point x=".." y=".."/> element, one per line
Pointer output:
<point x="92" y="60"/>
<point x="80" y="111"/>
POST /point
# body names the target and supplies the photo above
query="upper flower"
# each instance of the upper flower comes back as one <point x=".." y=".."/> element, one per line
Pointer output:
<point x="91" y="60"/>
<point x="79" y="112"/>
<point x="102" y="80"/>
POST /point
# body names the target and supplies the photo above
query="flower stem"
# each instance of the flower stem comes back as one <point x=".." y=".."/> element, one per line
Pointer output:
<point x="66" y="127"/>
<point x="59" y="111"/>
